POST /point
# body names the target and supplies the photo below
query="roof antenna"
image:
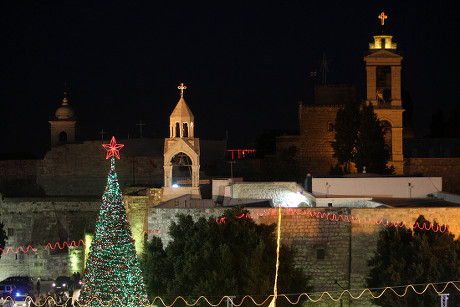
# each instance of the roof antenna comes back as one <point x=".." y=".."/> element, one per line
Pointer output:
<point x="324" y="69"/>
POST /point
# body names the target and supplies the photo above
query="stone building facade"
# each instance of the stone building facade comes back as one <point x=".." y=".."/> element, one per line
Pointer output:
<point x="314" y="153"/>
<point x="329" y="248"/>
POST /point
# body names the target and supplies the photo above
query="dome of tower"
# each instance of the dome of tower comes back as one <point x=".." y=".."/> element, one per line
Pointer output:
<point x="64" y="111"/>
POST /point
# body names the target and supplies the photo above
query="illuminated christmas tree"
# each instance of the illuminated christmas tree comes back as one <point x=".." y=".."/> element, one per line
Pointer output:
<point x="112" y="271"/>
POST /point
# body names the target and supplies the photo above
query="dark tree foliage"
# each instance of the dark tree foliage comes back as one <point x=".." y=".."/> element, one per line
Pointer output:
<point x="346" y="130"/>
<point x="406" y="257"/>
<point x="3" y="237"/>
<point x="359" y="139"/>
<point x="370" y="143"/>
<point x="217" y="259"/>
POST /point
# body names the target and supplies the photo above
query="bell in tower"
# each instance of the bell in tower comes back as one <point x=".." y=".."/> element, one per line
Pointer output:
<point x="383" y="71"/>
<point x="181" y="153"/>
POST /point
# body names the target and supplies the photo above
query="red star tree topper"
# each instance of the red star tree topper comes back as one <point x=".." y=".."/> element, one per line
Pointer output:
<point x="113" y="148"/>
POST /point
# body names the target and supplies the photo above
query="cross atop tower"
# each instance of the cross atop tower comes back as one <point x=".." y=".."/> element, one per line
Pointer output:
<point x="140" y="127"/>
<point x="182" y="87"/>
<point x="382" y="18"/>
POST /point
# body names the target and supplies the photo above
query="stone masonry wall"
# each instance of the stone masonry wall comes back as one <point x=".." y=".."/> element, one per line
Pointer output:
<point x="81" y="169"/>
<point x="447" y="168"/>
<point x="347" y="246"/>
<point x="38" y="223"/>
<point x="364" y="235"/>
<point x="314" y="150"/>
<point x="306" y="234"/>
<point x="18" y="177"/>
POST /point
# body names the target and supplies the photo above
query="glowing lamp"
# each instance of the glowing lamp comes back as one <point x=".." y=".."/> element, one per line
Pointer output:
<point x="175" y="185"/>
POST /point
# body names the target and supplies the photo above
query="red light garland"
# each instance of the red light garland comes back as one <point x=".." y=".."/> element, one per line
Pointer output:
<point x="333" y="217"/>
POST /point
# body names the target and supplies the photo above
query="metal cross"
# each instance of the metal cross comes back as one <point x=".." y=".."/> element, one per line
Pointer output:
<point x="102" y="134"/>
<point x="140" y="127"/>
<point x="182" y="87"/>
<point x="382" y="17"/>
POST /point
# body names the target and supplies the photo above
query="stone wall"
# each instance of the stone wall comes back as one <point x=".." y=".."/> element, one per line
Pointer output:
<point x="347" y="246"/>
<point x="447" y="168"/>
<point x="314" y="150"/>
<point x="19" y="177"/>
<point x="334" y="94"/>
<point x="81" y="169"/>
<point x="39" y="222"/>
<point x="365" y="235"/>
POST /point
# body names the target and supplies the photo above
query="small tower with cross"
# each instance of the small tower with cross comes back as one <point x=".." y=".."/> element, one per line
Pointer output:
<point x="181" y="153"/>
<point x="383" y="71"/>
<point x="63" y="124"/>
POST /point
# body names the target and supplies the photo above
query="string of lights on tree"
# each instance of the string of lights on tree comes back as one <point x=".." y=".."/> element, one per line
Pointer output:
<point x="112" y="273"/>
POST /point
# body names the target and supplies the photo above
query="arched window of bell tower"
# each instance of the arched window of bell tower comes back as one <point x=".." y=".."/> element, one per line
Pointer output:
<point x="185" y="130"/>
<point x="177" y="130"/>
<point x="63" y="137"/>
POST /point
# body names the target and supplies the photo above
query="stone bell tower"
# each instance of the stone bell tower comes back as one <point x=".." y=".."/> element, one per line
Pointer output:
<point x="63" y="124"/>
<point x="181" y="153"/>
<point x="383" y="70"/>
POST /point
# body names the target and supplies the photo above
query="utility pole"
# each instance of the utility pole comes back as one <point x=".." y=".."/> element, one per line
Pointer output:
<point x="231" y="168"/>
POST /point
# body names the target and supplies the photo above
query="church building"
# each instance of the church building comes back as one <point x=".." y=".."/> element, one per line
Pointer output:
<point x="314" y="153"/>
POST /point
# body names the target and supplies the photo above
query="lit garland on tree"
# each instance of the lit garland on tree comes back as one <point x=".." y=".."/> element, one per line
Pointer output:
<point x="112" y="271"/>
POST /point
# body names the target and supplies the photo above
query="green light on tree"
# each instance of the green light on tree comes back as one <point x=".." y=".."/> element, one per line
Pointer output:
<point x="112" y="271"/>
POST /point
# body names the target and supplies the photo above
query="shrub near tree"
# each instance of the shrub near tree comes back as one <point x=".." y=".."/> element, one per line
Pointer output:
<point x="235" y="257"/>
<point x="416" y="257"/>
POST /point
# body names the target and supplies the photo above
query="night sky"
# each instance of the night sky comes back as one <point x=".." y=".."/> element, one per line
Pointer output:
<point x="245" y="65"/>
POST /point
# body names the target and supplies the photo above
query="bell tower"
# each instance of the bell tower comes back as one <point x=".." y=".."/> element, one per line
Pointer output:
<point x="181" y="153"/>
<point x="383" y="71"/>
<point x="63" y="124"/>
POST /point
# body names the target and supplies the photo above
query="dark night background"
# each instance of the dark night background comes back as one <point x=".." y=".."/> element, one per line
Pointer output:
<point x="246" y="65"/>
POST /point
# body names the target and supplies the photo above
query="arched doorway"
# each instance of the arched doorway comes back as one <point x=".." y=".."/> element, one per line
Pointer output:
<point x="181" y="170"/>
<point x="62" y="137"/>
